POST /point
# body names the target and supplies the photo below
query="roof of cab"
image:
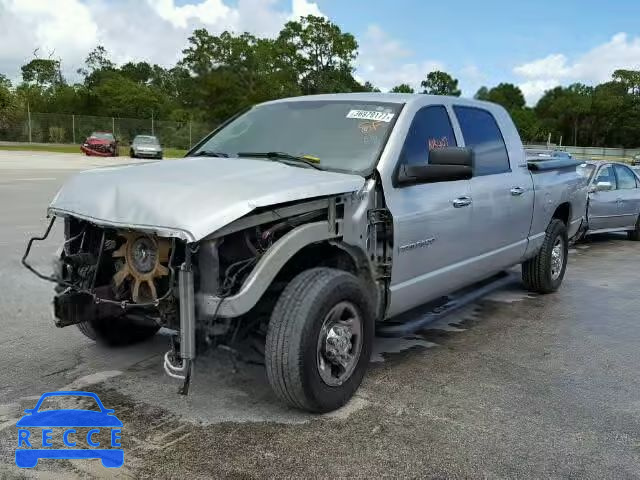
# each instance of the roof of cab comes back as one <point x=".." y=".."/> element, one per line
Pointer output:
<point x="399" y="98"/>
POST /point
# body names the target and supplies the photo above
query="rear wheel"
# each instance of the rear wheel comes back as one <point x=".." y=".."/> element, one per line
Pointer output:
<point x="132" y="153"/>
<point x="544" y="272"/>
<point x="119" y="331"/>
<point x="319" y="340"/>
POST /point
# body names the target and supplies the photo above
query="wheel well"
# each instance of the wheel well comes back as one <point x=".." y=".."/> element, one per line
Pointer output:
<point x="317" y="255"/>
<point x="322" y="254"/>
<point x="563" y="212"/>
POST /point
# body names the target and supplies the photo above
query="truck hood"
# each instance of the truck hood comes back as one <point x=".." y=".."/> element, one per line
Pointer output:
<point x="192" y="197"/>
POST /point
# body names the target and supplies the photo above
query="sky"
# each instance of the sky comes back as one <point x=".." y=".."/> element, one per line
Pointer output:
<point x="534" y="44"/>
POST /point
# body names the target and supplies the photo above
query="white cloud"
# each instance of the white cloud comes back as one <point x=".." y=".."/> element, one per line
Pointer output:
<point x="534" y="89"/>
<point x="386" y="62"/>
<point x="471" y="79"/>
<point x="302" y="8"/>
<point x="153" y="30"/>
<point x="208" y="12"/>
<point x="61" y="29"/>
<point x="592" y="67"/>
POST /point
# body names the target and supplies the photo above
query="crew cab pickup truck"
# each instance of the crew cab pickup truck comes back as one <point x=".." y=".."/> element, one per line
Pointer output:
<point x="302" y="223"/>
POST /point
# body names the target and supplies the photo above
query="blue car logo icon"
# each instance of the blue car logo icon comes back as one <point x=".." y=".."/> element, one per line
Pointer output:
<point x="31" y="447"/>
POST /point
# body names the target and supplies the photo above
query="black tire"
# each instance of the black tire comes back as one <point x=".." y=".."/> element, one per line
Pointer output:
<point x="118" y="331"/>
<point x="291" y="350"/>
<point x="635" y="234"/>
<point x="131" y="154"/>
<point x="538" y="272"/>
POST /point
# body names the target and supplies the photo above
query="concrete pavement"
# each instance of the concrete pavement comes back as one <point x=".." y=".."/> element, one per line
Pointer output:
<point x="516" y="385"/>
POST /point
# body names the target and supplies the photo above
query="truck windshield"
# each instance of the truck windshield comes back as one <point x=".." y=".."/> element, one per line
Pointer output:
<point x="336" y="135"/>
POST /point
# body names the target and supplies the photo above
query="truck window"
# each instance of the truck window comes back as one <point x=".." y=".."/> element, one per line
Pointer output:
<point x="481" y="132"/>
<point x="626" y="178"/>
<point x="430" y="129"/>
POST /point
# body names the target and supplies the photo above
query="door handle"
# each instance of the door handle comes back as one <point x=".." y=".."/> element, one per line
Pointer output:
<point x="462" y="202"/>
<point x="517" y="191"/>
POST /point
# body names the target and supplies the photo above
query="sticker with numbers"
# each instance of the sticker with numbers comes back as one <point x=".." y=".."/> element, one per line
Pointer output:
<point x="370" y="115"/>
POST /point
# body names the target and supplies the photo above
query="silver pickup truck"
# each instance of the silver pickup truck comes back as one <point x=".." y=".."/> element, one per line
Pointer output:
<point x="302" y="223"/>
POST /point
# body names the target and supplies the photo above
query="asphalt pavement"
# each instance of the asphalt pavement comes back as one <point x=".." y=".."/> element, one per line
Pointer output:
<point x="514" y="386"/>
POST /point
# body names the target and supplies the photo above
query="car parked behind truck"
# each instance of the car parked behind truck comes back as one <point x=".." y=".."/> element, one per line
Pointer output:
<point x="304" y="222"/>
<point x="614" y="199"/>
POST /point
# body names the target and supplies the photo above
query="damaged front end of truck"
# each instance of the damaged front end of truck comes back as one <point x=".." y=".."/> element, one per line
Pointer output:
<point x="129" y="267"/>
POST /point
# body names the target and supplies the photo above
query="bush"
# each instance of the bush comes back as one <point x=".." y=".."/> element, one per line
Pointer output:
<point x="57" y="134"/>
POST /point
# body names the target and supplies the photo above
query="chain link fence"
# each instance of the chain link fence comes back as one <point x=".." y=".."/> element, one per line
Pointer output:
<point x="73" y="129"/>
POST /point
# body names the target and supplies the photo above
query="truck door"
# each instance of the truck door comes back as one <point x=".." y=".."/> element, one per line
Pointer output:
<point x="431" y="221"/>
<point x="628" y="196"/>
<point x="502" y="193"/>
<point x="603" y="204"/>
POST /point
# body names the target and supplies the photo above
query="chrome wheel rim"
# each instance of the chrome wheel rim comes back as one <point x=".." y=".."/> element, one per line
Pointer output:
<point x="339" y="344"/>
<point x="557" y="258"/>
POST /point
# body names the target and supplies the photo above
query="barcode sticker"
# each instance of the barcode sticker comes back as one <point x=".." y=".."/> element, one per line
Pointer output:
<point x="370" y="115"/>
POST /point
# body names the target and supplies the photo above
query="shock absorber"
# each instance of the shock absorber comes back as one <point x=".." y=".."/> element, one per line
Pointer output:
<point x="187" y="350"/>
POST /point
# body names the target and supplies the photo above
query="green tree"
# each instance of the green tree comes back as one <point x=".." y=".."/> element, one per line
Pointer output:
<point x="507" y="95"/>
<point x="567" y="112"/>
<point x="96" y="65"/>
<point x="402" y="88"/>
<point x="322" y="54"/>
<point x="124" y="97"/>
<point x="9" y="109"/>
<point x="482" y="94"/>
<point x="369" y="87"/>
<point x="42" y="72"/>
<point x="440" y="83"/>
<point x="528" y="124"/>
<point x="630" y="79"/>
<point x="140" y="72"/>
<point x="231" y="72"/>
<point x="5" y="82"/>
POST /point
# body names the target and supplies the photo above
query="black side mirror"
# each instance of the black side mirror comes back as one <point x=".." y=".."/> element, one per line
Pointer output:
<point x="460" y="156"/>
<point x="445" y="165"/>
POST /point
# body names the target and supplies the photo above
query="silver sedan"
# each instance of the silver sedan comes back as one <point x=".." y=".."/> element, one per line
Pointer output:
<point x="145" y="146"/>
<point x="614" y="198"/>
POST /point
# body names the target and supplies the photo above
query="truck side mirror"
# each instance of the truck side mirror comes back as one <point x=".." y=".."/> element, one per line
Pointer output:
<point x="460" y="156"/>
<point x="445" y="165"/>
<point x="416" y="174"/>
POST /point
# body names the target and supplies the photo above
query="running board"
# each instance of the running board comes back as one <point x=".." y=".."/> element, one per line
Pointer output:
<point x="416" y="319"/>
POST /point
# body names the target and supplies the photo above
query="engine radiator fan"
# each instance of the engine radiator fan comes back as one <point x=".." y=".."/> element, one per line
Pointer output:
<point x="144" y="257"/>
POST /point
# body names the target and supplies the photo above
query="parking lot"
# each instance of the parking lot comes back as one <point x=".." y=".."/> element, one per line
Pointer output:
<point x="516" y="385"/>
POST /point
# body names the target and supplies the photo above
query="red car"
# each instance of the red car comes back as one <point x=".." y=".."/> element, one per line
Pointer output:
<point x="100" y="144"/>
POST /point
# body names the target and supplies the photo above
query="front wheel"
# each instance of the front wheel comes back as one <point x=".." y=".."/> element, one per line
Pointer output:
<point x="319" y="340"/>
<point x="118" y="331"/>
<point x="544" y="272"/>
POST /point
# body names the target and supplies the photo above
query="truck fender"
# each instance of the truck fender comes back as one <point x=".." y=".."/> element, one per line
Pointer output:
<point x="264" y="272"/>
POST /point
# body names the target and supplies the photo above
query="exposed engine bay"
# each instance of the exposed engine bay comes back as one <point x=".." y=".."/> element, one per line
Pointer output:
<point x="136" y="271"/>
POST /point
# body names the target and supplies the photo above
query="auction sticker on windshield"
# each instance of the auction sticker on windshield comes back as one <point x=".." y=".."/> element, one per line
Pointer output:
<point x="370" y="115"/>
